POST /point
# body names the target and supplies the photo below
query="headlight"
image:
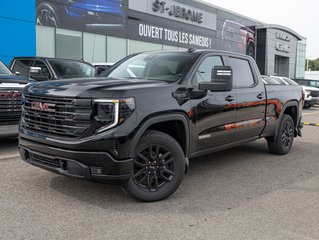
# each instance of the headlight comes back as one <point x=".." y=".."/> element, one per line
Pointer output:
<point x="110" y="113"/>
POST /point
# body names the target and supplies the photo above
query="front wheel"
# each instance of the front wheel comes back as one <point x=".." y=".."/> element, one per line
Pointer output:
<point x="159" y="166"/>
<point x="282" y="143"/>
<point x="47" y="15"/>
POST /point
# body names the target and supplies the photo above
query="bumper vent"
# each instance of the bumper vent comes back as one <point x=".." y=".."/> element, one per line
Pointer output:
<point x="314" y="93"/>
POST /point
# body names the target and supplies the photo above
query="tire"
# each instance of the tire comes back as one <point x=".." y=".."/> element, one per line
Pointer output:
<point x="307" y="106"/>
<point x="159" y="167"/>
<point x="47" y="15"/>
<point x="282" y="143"/>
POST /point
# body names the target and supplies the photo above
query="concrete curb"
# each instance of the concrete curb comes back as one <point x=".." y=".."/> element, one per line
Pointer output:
<point x="310" y="124"/>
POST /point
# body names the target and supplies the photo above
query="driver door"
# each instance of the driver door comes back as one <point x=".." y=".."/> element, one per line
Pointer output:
<point x="214" y="113"/>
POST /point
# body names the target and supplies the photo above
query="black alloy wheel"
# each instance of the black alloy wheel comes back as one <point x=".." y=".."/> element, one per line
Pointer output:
<point x="287" y="134"/>
<point x="282" y="143"/>
<point x="159" y="166"/>
<point x="153" y="168"/>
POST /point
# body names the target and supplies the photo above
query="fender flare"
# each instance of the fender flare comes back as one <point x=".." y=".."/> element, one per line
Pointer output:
<point x="163" y="118"/>
<point x="292" y="103"/>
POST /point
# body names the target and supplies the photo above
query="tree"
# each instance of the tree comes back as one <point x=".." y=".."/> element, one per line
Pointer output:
<point x="313" y="65"/>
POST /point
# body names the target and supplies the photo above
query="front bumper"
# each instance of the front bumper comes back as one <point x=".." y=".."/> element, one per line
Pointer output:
<point x="81" y="164"/>
<point x="8" y="131"/>
<point x="312" y="101"/>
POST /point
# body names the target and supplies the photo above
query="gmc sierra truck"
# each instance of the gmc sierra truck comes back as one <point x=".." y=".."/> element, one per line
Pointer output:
<point x="43" y="69"/>
<point x="150" y="113"/>
<point x="10" y="101"/>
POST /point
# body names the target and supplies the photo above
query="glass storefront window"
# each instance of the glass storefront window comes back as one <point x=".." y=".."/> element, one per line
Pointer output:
<point x="45" y="41"/>
<point x="138" y="46"/>
<point x="94" y="48"/>
<point x="116" y="48"/>
<point x="68" y="44"/>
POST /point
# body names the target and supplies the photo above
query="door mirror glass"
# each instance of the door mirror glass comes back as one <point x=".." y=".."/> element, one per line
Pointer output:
<point x="221" y="80"/>
<point x="38" y="74"/>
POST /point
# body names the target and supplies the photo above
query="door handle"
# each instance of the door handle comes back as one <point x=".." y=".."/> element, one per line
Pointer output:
<point x="229" y="98"/>
<point x="260" y="96"/>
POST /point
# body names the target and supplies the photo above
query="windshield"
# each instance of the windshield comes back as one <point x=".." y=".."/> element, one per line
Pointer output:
<point x="280" y="81"/>
<point x="270" y="80"/>
<point x="72" y="69"/>
<point x="162" y="66"/>
<point x="4" y="70"/>
<point x="314" y="84"/>
<point x="290" y="81"/>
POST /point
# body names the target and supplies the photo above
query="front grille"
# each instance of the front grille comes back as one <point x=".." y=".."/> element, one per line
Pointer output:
<point x="10" y="106"/>
<point x="314" y="93"/>
<point x="54" y="116"/>
<point x="45" y="161"/>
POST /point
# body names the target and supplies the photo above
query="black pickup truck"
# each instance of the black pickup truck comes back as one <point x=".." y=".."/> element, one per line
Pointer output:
<point x="150" y="113"/>
<point x="43" y="68"/>
<point x="11" y="87"/>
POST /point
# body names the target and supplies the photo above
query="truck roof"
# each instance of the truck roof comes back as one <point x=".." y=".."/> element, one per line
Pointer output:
<point x="49" y="58"/>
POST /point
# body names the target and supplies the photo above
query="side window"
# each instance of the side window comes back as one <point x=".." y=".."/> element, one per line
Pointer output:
<point x="204" y="71"/>
<point x="44" y="73"/>
<point x="22" y="66"/>
<point x="242" y="73"/>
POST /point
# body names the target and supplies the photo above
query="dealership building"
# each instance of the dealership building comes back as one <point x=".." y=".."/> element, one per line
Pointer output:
<point x="108" y="30"/>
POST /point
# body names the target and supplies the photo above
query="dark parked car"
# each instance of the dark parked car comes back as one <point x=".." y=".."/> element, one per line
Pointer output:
<point x="90" y="14"/>
<point x="42" y="69"/>
<point x="10" y="100"/>
<point x="307" y="82"/>
<point x="150" y="113"/>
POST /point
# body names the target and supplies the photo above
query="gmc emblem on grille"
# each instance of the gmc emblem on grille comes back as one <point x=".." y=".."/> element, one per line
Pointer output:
<point x="46" y="107"/>
<point x="10" y="95"/>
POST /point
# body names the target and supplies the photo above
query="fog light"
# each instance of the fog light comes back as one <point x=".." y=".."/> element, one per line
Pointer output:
<point x="96" y="170"/>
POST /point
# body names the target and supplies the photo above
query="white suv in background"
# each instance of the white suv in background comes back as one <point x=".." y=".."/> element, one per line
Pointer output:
<point x="311" y="93"/>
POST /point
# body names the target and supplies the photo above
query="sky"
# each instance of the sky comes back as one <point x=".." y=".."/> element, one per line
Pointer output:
<point x="300" y="16"/>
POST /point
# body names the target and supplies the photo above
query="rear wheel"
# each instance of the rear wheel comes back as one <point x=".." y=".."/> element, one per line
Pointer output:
<point x="159" y="166"/>
<point x="282" y="143"/>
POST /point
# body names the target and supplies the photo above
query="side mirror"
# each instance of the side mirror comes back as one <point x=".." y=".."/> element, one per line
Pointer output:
<point x="35" y="70"/>
<point x="99" y="70"/>
<point x="36" y="74"/>
<point x="222" y="80"/>
<point x="17" y="73"/>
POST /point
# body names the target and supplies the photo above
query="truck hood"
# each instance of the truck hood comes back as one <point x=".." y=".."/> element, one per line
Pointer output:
<point x="14" y="79"/>
<point x="91" y="87"/>
<point x="310" y="88"/>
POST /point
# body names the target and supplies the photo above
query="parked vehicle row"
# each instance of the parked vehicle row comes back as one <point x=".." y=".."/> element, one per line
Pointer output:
<point x="149" y="113"/>
<point x="311" y="93"/>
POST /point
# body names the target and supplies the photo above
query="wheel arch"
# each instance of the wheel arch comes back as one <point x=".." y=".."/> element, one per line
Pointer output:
<point x="291" y="109"/>
<point x="176" y="125"/>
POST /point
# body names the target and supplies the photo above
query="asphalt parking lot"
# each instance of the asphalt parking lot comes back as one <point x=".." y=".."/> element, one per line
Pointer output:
<point x="241" y="193"/>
